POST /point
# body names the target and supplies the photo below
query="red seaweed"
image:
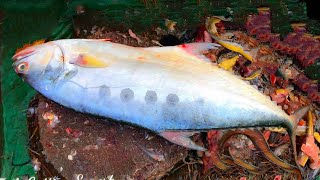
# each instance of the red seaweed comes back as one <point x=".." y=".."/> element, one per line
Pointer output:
<point x="308" y="86"/>
<point x="303" y="46"/>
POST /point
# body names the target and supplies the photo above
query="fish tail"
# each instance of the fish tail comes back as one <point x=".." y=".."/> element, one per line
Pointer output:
<point x="294" y="119"/>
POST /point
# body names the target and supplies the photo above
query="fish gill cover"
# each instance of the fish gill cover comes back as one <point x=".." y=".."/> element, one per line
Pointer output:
<point x="27" y="21"/>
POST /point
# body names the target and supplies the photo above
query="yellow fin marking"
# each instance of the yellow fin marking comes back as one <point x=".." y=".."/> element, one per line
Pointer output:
<point x="88" y="62"/>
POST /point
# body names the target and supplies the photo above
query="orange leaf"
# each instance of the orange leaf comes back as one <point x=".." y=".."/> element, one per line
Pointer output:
<point x="266" y="134"/>
<point x="311" y="149"/>
<point x="273" y="79"/>
<point x="277" y="177"/>
<point x="302" y="123"/>
<point x="284" y="92"/>
<point x="279" y="98"/>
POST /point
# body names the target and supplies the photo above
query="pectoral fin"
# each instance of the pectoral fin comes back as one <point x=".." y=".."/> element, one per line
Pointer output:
<point x="182" y="138"/>
<point x="88" y="61"/>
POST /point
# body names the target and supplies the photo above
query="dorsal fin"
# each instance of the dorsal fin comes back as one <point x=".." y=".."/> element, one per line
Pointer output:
<point x="193" y="49"/>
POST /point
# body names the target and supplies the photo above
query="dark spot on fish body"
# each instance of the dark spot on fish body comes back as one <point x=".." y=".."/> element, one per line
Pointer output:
<point x="126" y="95"/>
<point x="151" y="97"/>
<point x="104" y="91"/>
<point x="172" y="99"/>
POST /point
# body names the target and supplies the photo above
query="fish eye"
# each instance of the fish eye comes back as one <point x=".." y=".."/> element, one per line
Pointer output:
<point x="22" y="67"/>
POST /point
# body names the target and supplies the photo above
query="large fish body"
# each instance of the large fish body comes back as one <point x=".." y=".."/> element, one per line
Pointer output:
<point x="158" y="88"/>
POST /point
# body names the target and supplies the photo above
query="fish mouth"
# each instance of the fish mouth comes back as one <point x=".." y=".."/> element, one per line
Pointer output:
<point x="24" y="54"/>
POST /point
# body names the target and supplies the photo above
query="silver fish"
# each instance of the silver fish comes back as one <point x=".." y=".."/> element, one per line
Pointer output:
<point x="174" y="91"/>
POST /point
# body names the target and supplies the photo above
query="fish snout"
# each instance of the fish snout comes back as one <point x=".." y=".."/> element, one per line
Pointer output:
<point x="24" y="53"/>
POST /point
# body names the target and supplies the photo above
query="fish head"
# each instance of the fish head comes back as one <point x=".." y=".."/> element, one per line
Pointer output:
<point x="43" y="62"/>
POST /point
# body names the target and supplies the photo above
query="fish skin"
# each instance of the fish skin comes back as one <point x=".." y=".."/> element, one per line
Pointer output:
<point x="191" y="94"/>
<point x="164" y="89"/>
